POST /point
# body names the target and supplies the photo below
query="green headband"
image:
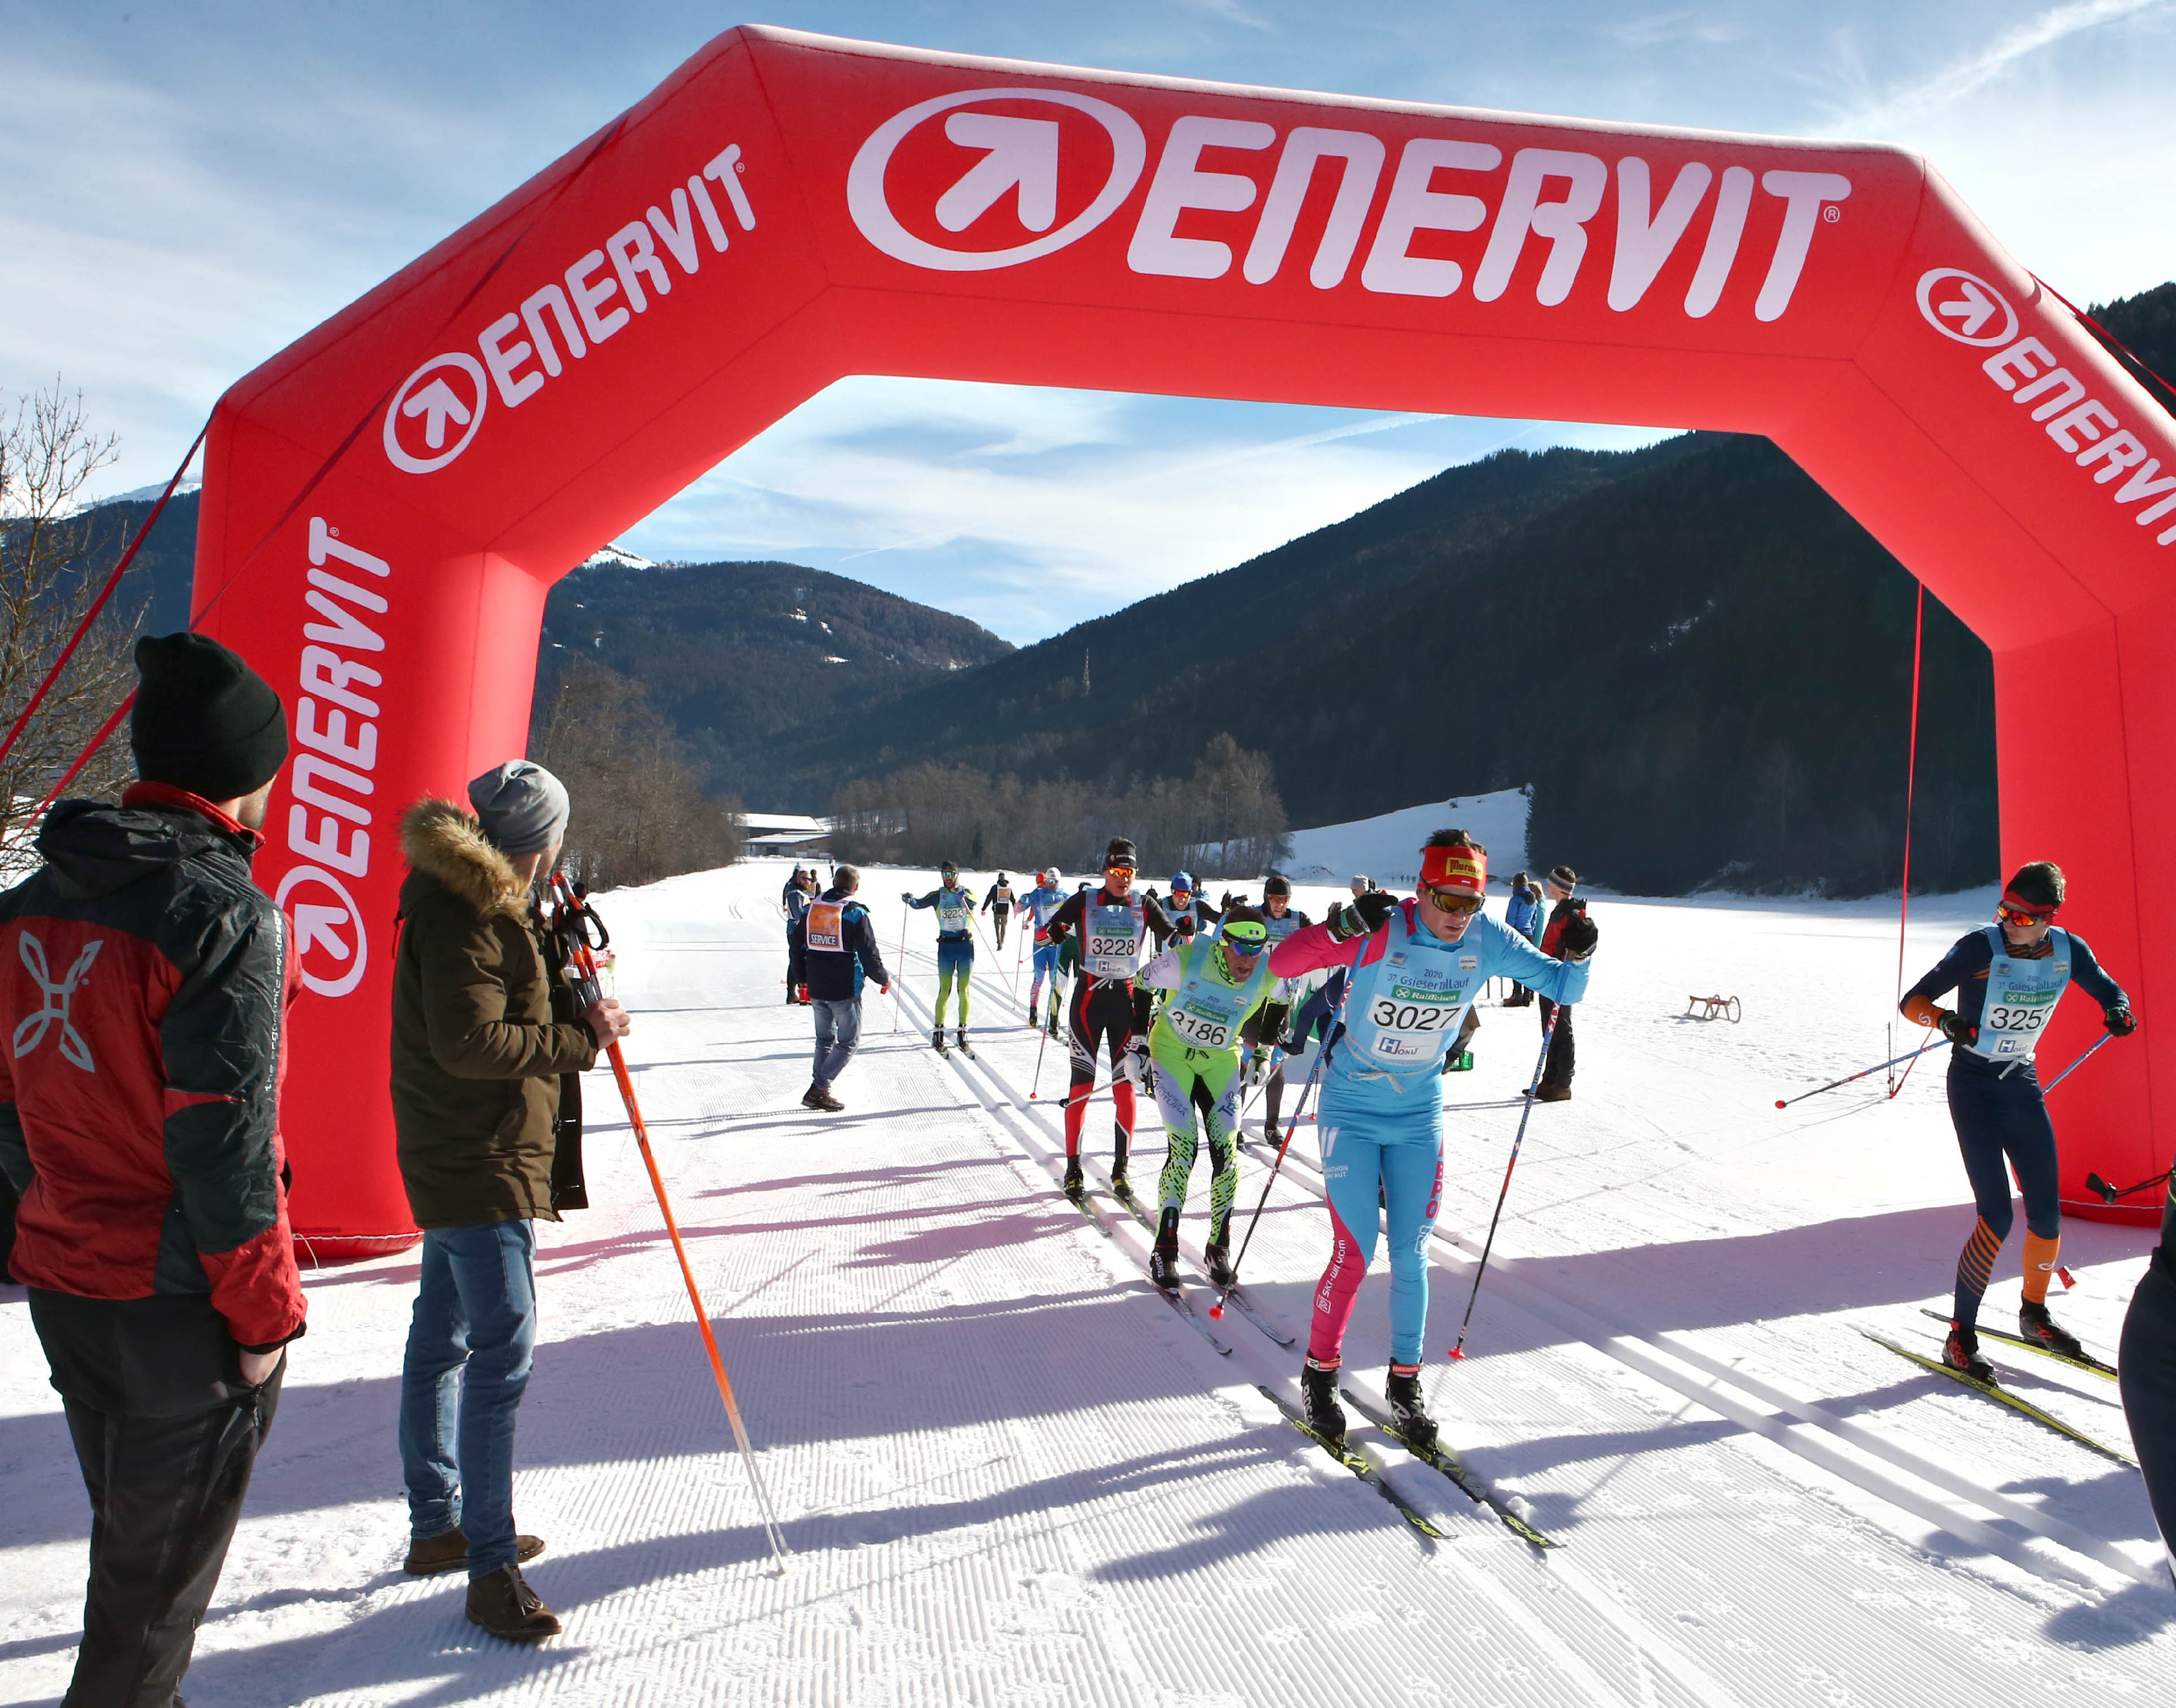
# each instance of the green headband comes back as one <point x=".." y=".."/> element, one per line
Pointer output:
<point x="1250" y="932"/>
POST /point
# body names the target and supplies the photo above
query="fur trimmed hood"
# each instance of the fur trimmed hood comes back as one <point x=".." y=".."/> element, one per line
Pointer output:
<point x="447" y="842"/>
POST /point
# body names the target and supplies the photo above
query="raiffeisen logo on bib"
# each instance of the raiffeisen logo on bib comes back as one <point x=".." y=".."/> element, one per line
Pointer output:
<point x="987" y="178"/>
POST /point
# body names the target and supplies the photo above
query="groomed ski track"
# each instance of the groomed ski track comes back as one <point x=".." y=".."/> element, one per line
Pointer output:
<point x="1012" y="1474"/>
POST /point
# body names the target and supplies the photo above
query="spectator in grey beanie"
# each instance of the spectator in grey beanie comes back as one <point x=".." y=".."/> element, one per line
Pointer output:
<point x="524" y="807"/>
<point x="489" y="1043"/>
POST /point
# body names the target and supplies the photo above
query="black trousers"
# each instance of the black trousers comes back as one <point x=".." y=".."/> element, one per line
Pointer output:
<point x="2147" y="1359"/>
<point x="1557" y="1070"/>
<point x="166" y="1473"/>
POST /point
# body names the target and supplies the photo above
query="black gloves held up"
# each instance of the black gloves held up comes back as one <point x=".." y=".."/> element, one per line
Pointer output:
<point x="2121" y="1022"/>
<point x="1577" y="938"/>
<point x="1956" y="1028"/>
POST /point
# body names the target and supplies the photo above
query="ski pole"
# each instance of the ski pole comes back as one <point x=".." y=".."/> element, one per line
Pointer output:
<point x="587" y="991"/>
<point x="899" y="973"/>
<point x="1290" y="1127"/>
<point x="1040" y="1043"/>
<point x="2105" y="1038"/>
<point x="1909" y="1056"/>
<point x="1540" y="1063"/>
<point x="2108" y="1193"/>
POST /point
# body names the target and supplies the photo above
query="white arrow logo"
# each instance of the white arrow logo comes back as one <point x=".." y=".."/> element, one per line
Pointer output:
<point x="426" y="396"/>
<point x="435" y="402"/>
<point x="314" y="925"/>
<point x="1019" y="153"/>
<point x="1022" y="151"/>
<point x="1962" y="305"/>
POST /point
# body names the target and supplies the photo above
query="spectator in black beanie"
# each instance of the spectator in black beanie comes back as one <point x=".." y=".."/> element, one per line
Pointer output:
<point x="1557" y="1069"/>
<point x="142" y="974"/>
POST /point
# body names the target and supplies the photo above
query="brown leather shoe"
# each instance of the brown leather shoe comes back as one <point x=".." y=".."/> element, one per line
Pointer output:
<point x="503" y="1604"/>
<point x="429" y="1555"/>
<point x="1554" y="1094"/>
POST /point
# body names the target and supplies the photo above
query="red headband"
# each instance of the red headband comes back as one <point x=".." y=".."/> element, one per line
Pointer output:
<point x="2039" y="909"/>
<point x="1463" y="869"/>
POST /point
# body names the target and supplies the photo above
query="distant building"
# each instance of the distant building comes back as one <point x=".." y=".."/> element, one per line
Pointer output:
<point x="786" y="833"/>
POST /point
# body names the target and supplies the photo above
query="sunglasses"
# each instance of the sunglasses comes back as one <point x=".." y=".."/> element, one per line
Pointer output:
<point x="1455" y="901"/>
<point x="2017" y="917"/>
<point x="1244" y="945"/>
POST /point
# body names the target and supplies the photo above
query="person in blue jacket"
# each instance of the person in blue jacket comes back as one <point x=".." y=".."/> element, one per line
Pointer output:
<point x="1415" y="968"/>
<point x="1037" y="906"/>
<point x="1523" y="914"/>
<point x="955" y="947"/>
<point x="2009" y="977"/>
<point x="839" y="944"/>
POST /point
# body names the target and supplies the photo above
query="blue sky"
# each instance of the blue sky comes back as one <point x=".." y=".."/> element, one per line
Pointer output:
<point x="186" y="189"/>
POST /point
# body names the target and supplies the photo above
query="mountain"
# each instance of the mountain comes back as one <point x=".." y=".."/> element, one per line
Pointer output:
<point x="735" y="654"/>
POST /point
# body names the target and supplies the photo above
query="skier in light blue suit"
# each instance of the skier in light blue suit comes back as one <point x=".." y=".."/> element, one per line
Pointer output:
<point x="1415" y="967"/>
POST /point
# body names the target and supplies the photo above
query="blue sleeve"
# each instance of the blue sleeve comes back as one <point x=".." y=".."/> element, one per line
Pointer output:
<point x="929" y="901"/>
<point x="1968" y="955"/>
<point x="2089" y="977"/>
<point x="1505" y="952"/>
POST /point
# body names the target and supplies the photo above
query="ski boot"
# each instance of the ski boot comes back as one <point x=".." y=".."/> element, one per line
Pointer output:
<point x="1318" y="1395"/>
<point x="1409" y="1409"/>
<point x="1216" y="1257"/>
<point x="959" y="1041"/>
<point x="1122" y="1187"/>
<point x="937" y="1041"/>
<point x="1163" y="1260"/>
<point x="2035" y="1325"/>
<point x="1076" y="1188"/>
<point x="1960" y="1352"/>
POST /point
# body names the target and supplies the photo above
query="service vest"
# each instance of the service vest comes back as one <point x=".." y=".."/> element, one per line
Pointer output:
<point x="1403" y="1011"/>
<point x="1113" y="935"/>
<point x="827" y="926"/>
<point x="1206" y="1010"/>
<point x="2020" y="995"/>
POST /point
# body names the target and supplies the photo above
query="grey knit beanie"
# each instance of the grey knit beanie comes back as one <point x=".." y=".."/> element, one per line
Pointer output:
<point x="524" y="807"/>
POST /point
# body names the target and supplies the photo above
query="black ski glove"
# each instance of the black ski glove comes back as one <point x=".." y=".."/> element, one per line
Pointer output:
<point x="2121" y="1022"/>
<point x="1956" y="1028"/>
<point x="1578" y="939"/>
<point x="1364" y="916"/>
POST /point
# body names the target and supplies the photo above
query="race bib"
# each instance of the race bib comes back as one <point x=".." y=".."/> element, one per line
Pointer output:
<point x="1409" y="1023"/>
<point x="953" y="916"/>
<point x="1200" y="1032"/>
<point x="1113" y="945"/>
<point x="827" y="926"/>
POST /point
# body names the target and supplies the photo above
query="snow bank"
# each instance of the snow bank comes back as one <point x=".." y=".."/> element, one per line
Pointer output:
<point x="1387" y="848"/>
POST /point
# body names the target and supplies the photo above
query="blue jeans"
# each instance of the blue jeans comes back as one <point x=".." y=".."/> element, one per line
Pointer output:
<point x="469" y="1349"/>
<point x="838" y="1030"/>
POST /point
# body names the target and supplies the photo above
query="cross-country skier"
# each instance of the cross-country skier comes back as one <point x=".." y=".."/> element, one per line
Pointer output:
<point x="1265" y="1034"/>
<point x="1114" y="926"/>
<point x="1415" y="967"/>
<point x="955" y="947"/>
<point x="1036" y="907"/>
<point x="2147" y="1361"/>
<point x="2008" y="977"/>
<point x="1187" y="911"/>
<point x="998" y="905"/>
<point x="1216" y="984"/>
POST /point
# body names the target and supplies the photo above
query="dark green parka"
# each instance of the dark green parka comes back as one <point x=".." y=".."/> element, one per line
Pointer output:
<point x="487" y="1042"/>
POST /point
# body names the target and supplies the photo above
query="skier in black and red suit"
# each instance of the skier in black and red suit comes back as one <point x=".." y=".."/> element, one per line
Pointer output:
<point x="1113" y="925"/>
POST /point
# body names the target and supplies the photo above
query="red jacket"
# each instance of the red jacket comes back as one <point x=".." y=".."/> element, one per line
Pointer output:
<point x="143" y="983"/>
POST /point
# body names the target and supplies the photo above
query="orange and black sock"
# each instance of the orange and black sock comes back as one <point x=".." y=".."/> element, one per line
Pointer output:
<point x="2040" y="1256"/>
<point x="1973" y="1264"/>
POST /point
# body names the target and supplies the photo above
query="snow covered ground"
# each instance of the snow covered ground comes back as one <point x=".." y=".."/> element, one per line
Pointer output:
<point x="1386" y="847"/>
<point x="1010" y="1473"/>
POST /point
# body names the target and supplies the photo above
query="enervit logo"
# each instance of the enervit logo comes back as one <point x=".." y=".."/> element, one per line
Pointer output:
<point x="1018" y="152"/>
<point x="1965" y="307"/>
<point x="445" y="392"/>
<point x="328" y="936"/>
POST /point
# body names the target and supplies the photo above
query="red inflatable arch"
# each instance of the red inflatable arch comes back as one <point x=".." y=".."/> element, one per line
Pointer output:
<point x="386" y="502"/>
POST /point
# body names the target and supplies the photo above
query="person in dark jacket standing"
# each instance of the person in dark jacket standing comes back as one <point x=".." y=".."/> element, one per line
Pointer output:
<point x="1557" y="1068"/>
<point x="794" y="898"/>
<point x="840" y="945"/>
<point x="143" y="976"/>
<point x="1523" y="914"/>
<point x="487" y="1110"/>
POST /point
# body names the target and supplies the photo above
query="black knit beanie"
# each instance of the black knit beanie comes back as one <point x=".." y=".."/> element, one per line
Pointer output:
<point x="204" y="721"/>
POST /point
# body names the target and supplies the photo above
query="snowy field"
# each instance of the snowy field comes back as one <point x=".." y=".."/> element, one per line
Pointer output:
<point x="1387" y="847"/>
<point x="1011" y="1473"/>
